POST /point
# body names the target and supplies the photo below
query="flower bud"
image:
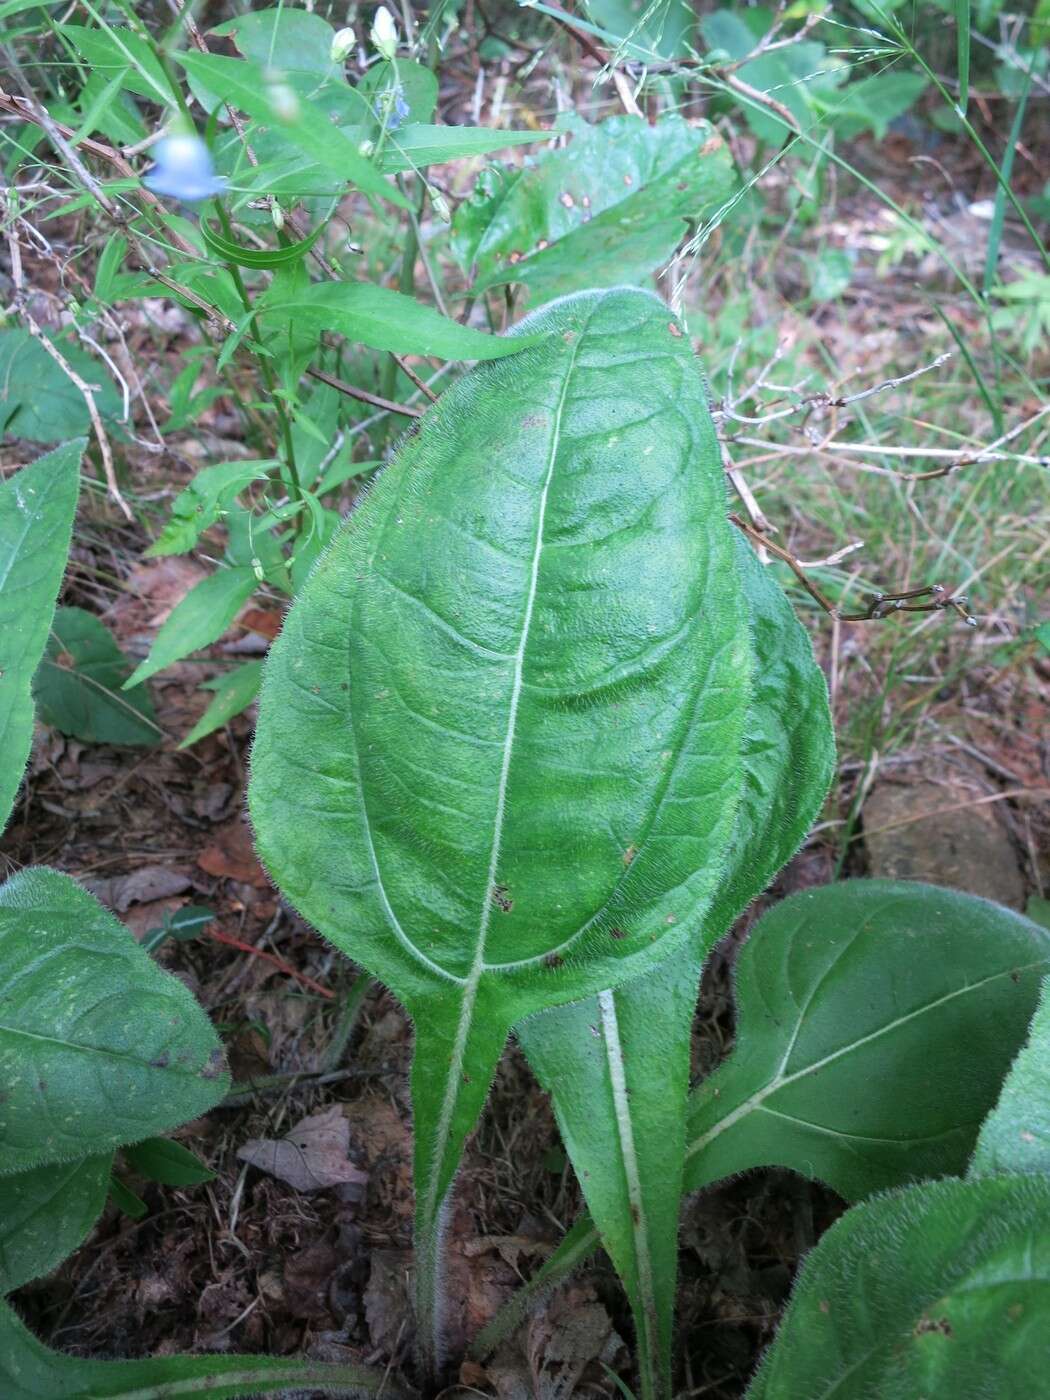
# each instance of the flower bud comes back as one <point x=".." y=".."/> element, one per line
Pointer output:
<point x="284" y="103"/>
<point x="366" y="148"/>
<point x="440" y="206"/>
<point x="343" y="42"/>
<point x="277" y="215"/>
<point x="384" y="33"/>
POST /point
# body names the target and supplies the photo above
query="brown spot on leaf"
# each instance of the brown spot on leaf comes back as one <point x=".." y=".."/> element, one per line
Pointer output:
<point x="629" y="854"/>
<point x="933" y="1324"/>
<point x="617" y="933"/>
<point x="65" y="660"/>
<point x="676" y="331"/>
<point x="216" y="1065"/>
<point x="162" y="1061"/>
<point x="501" y="898"/>
<point x="713" y="143"/>
<point x="515" y="257"/>
<point x="543" y="243"/>
<point x="566" y="198"/>
<point x="628" y="180"/>
<point x="553" y="960"/>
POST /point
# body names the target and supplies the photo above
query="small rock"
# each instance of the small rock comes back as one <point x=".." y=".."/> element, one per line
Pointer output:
<point x="923" y="832"/>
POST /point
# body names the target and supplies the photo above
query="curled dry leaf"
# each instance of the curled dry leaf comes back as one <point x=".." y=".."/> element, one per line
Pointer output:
<point x="312" y="1157"/>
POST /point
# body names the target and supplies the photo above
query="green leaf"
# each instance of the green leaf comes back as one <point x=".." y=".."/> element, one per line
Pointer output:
<point x="199" y="505"/>
<point x="871" y="104"/>
<point x="420" y="144"/>
<point x="617" y="1069"/>
<point x="939" y="1291"/>
<point x="112" y="51"/>
<point x="183" y="925"/>
<point x="527" y="798"/>
<point x="244" y="85"/>
<point x="200" y="619"/>
<point x="98" y="1046"/>
<point x="876" y="1020"/>
<point x="803" y="76"/>
<point x="109" y="265"/>
<point x="31" y="1371"/>
<point x="45" y="1213"/>
<point x="168" y="1162"/>
<point x="384" y="320"/>
<point x="1015" y="1137"/>
<point x="606" y="210"/>
<point x="233" y="252"/>
<point x="234" y="691"/>
<point x="663" y="28"/>
<point x="628" y="1149"/>
<point x="37" y="506"/>
<point x="78" y="682"/>
<point x="294" y="41"/>
<point x="128" y="1202"/>
<point x="935" y="1019"/>
<point x="419" y="90"/>
<point x="38" y="401"/>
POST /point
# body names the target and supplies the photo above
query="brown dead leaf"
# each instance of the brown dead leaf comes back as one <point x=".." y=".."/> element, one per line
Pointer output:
<point x="313" y="1156"/>
<point x="264" y="621"/>
<point x="143" y="886"/>
<point x="307" y="1275"/>
<point x="562" y="1351"/>
<point x="153" y="589"/>
<point x="231" y="857"/>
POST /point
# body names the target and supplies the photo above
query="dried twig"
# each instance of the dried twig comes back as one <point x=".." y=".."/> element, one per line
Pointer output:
<point x="376" y="400"/>
<point x="930" y="598"/>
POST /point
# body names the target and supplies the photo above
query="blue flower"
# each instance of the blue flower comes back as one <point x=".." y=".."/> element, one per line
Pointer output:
<point x="184" y="170"/>
<point x="392" y="109"/>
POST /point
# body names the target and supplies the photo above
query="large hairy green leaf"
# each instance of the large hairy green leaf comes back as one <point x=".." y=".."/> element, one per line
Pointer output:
<point x="45" y="1213"/>
<point x="617" y="1068"/>
<point x="876" y="1022"/>
<point x="605" y="210"/>
<point x="98" y="1045"/>
<point x="938" y="1292"/>
<point x="31" y="1371"/>
<point x="1015" y="1137"/>
<point x="37" y="506"/>
<point x="498" y="750"/>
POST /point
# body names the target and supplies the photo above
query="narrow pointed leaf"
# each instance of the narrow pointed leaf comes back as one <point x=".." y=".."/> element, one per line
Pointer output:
<point x="877" y="1020"/>
<point x="382" y="319"/>
<point x="1015" y="1137"/>
<point x="939" y="1291"/>
<point x="31" y="1371"/>
<point x="98" y="1045"/>
<point x="198" y="620"/>
<point x="45" y="1213"/>
<point x="234" y="692"/>
<point x="497" y="756"/>
<point x="244" y="85"/>
<point x="37" y="506"/>
<point x="788" y="760"/>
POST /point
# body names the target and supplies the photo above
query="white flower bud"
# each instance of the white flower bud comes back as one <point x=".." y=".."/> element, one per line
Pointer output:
<point x="440" y="206"/>
<point x="283" y="100"/>
<point x="384" y="33"/>
<point x="343" y="42"/>
<point x="277" y="215"/>
<point x="366" y="148"/>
